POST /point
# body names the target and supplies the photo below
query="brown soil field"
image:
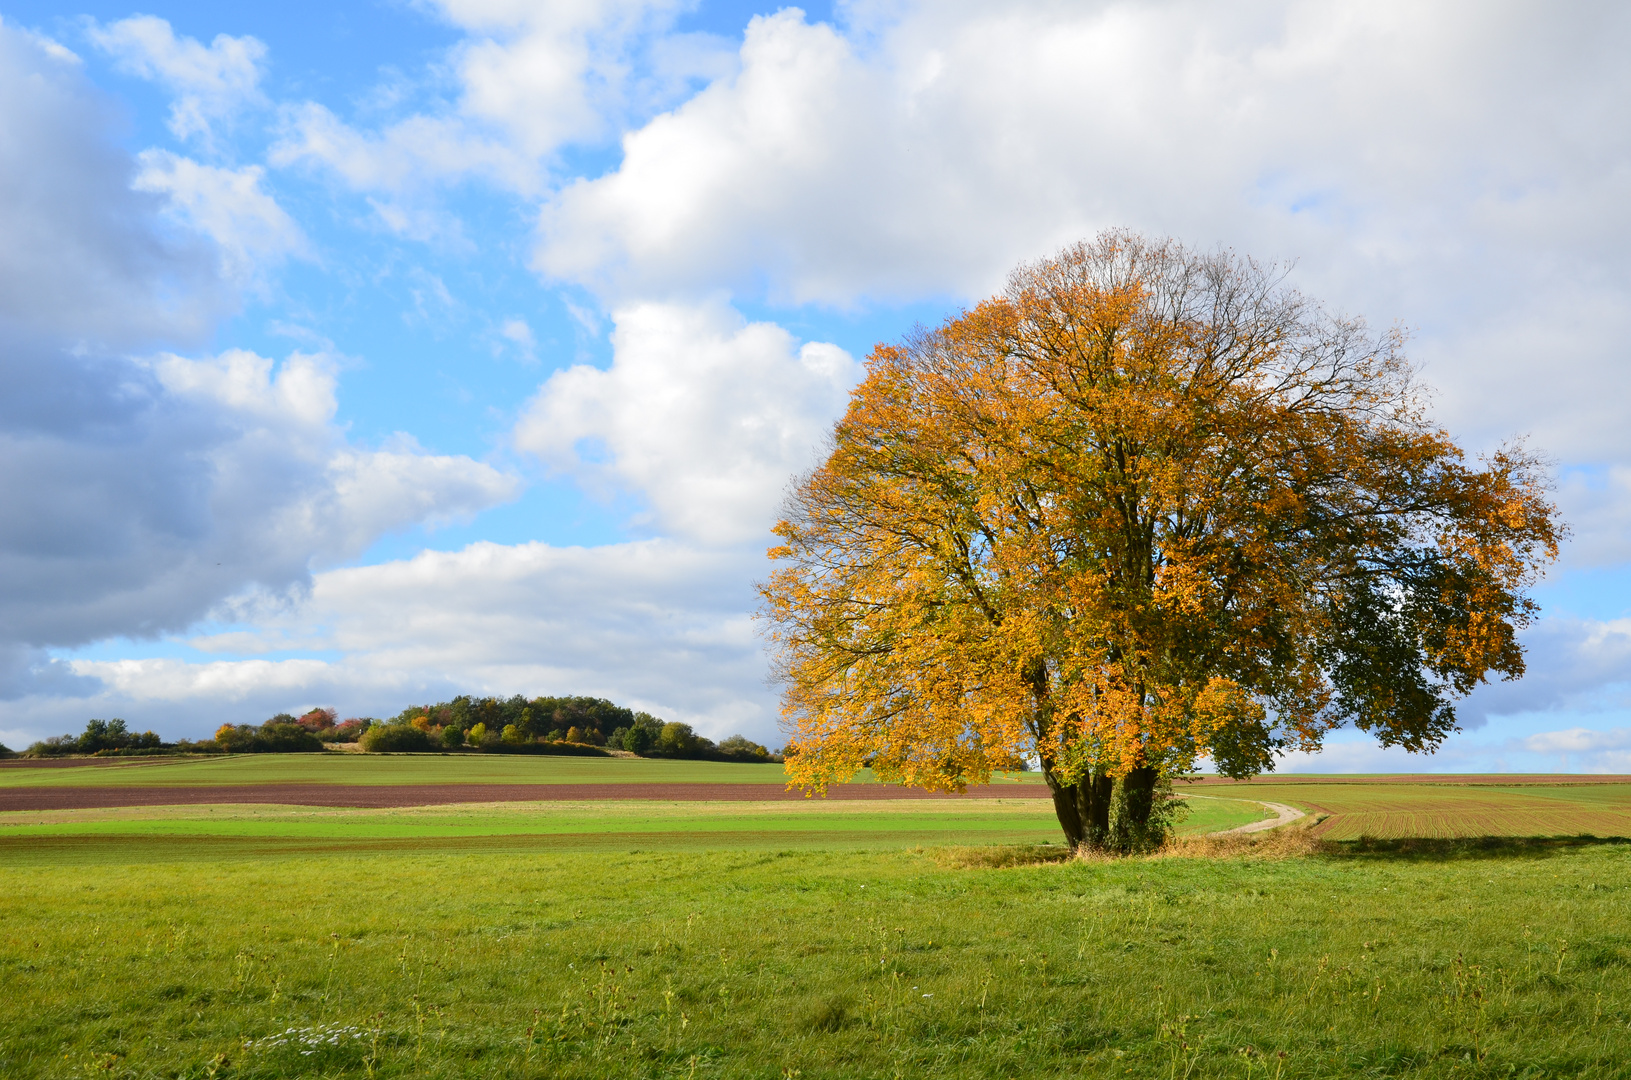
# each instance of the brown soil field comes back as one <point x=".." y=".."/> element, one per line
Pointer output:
<point x="394" y="795"/>
<point x="1453" y="807"/>
<point x="1430" y="779"/>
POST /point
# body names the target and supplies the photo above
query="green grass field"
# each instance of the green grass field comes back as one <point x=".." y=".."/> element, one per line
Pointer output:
<point x="812" y="963"/>
<point x="609" y="826"/>
<point x="338" y="768"/>
<point x="796" y="938"/>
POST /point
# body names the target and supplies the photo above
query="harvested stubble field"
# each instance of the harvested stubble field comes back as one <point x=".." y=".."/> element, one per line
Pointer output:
<point x="777" y="939"/>
<point x="1450" y="806"/>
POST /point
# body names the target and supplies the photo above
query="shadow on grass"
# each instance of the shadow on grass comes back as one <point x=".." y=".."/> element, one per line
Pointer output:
<point x="1467" y="847"/>
<point x="1283" y="843"/>
<point x="1001" y="857"/>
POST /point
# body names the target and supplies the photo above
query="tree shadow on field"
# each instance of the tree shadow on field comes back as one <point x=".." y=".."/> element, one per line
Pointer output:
<point x="1002" y="856"/>
<point x="1423" y="849"/>
<point x="1284" y="843"/>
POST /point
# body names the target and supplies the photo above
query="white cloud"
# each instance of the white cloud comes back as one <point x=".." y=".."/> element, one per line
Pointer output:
<point x="213" y="475"/>
<point x="549" y="74"/>
<point x="84" y="259"/>
<point x="1573" y="664"/>
<point x="251" y="230"/>
<point x="703" y="414"/>
<point x="288" y="477"/>
<point x="140" y="682"/>
<point x="652" y="624"/>
<point x="1577" y="741"/>
<point x="519" y="334"/>
<point x="529" y="80"/>
<point x="210" y="82"/>
<point x="1459" y="172"/>
<point x="1362" y="755"/>
<point x="1597" y="503"/>
<point x="402" y="160"/>
<point x="140" y="494"/>
<point x="1582" y="749"/>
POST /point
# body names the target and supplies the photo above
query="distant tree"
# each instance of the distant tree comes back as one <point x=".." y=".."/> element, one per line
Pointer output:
<point x="395" y="739"/>
<point x="102" y="735"/>
<point x="347" y="731"/>
<point x="318" y="719"/>
<point x="99" y="736"/>
<point x="452" y="737"/>
<point x="54" y="746"/>
<point x="740" y="748"/>
<point x="272" y="737"/>
<point x="476" y="735"/>
<point x="287" y="739"/>
<point x="678" y="740"/>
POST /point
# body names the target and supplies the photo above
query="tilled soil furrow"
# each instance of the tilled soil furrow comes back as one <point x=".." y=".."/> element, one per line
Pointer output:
<point x="394" y="795"/>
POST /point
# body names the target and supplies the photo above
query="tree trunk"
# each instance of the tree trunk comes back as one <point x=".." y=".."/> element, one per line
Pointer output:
<point x="1131" y="808"/>
<point x="1138" y="789"/>
<point x="1083" y="807"/>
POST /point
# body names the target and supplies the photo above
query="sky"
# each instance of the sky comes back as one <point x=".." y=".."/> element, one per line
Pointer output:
<point x="366" y="352"/>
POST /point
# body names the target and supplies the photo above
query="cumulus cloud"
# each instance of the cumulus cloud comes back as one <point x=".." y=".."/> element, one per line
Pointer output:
<point x="1597" y="504"/>
<point x="550" y="74"/>
<point x="222" y="473"/>
<point x="85" y="259"/>
<point x="143" y="487"/>
<point x="1573" y="664"/>
<point x="210" y="82"/>
<point x="402" y="160"/>
<point x="1582" y="749"/>
<point x="252" y="232"/>
<point x="1577" y="741"/>
<point x="529" y="79"/>
<point x="652" y="624"/>
<point x="1388" y="147"/>
<point x="343" y="497"/>
<point x="703" y="414"/>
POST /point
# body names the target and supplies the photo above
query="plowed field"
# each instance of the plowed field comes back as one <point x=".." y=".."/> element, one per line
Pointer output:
<point x="64" y="797"/>
<point x="1347" y="807"/>
<point x="1450" y="807"/>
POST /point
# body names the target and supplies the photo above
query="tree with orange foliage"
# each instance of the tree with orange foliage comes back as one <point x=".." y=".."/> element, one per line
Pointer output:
<point x="1146" y="506"/>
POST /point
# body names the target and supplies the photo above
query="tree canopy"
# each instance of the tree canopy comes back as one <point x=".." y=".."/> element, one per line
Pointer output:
<point x="1146" y="506"/>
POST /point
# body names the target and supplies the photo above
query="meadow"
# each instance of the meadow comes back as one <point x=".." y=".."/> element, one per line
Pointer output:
<point x="344" y="768"/>
<point x="918" y="938"/>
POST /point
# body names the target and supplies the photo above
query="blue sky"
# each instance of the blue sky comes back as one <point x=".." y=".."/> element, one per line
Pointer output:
<point x="372" y="352"/>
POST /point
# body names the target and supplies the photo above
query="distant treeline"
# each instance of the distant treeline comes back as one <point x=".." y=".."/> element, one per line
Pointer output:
<point x="543" y="724"/>
<point x="540" y="725"/>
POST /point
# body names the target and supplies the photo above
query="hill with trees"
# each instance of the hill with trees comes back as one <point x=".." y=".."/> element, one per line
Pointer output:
<point x="558" y="724"/>
<point x="541" y="725"/>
